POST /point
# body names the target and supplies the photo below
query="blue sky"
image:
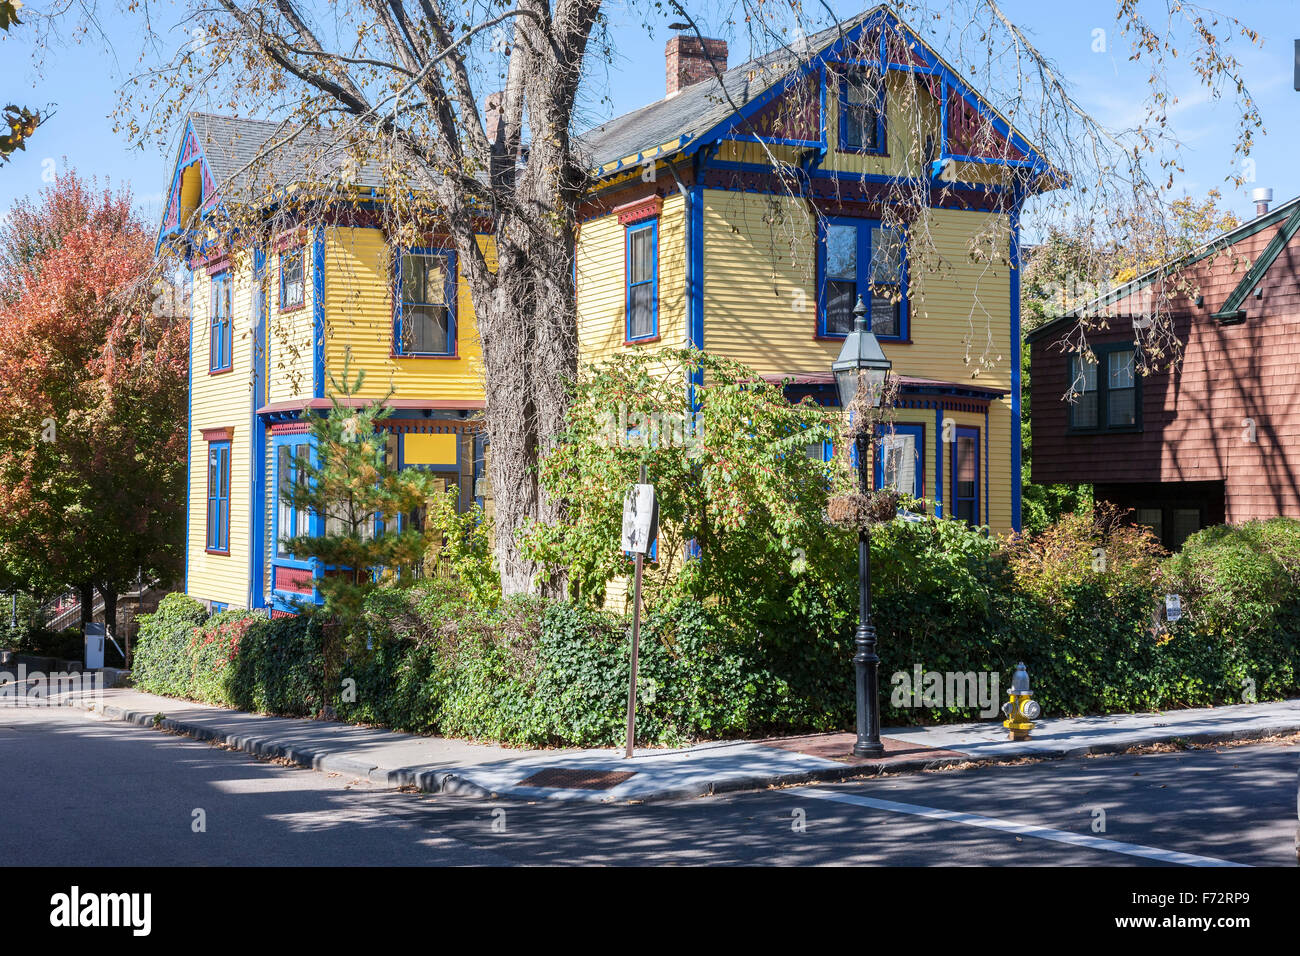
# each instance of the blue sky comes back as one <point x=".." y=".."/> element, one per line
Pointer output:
<point x="81" y="81"/>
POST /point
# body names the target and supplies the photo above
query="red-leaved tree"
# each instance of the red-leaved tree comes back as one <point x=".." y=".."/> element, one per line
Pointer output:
<point x="93" y="381"/>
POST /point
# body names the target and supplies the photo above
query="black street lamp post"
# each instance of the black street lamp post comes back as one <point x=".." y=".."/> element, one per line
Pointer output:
<point x="862" y="363"/>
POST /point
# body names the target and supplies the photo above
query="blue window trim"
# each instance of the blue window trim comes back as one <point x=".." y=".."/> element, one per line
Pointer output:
<point x="280" y="557"/>
<point x="653" y="226"/>
<point x="450" y="298"/>
<point x="965" y="431"/>
<point x="918" y="436"/>
<point x="218" y="537"/>
<point x="841" y="146"/>
<point x="864" y="227"/>
<point x="300" y="253"/>
<point x="220" y="327"/>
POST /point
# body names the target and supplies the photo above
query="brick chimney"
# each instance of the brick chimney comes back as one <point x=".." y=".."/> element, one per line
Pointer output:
<point x="494" y="114"/>
<point x="690" y="60"/>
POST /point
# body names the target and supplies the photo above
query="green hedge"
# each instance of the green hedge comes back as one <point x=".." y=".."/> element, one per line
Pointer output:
<point x="232" y="659"/>
<point x="945" y="598"/>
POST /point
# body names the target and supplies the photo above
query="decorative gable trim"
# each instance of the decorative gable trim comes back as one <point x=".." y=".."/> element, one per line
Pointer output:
<point x="967" y="106"/>
<point x="191" y="154"/>
<point x="1231" y="311"/>
<point x="639" y="210"/>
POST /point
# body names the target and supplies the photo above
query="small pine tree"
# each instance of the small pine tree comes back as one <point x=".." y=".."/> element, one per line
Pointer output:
<point x="351" y="482"/>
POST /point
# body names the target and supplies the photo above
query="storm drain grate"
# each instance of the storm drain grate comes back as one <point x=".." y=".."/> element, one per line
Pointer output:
<point x="565" y="778"/>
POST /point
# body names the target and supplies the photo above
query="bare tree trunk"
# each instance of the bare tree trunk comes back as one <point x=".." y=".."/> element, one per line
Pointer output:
<point x="530" y="357"/>
<point x="86" y="589"/>
<point x="527" y="310"/>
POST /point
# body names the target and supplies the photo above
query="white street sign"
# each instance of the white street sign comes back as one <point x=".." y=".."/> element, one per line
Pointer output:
<point x="638" y="519"/>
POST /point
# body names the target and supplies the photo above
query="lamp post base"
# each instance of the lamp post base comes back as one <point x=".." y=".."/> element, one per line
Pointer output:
<point x="868" y="750"/>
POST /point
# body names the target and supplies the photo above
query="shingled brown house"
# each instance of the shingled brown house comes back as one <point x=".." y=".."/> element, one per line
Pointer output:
<point x="1218" y="438"/>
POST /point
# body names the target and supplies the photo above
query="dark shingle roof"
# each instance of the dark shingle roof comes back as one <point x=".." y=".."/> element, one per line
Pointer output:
<point x="700" y="107"/>
<point x="249" y="156"/>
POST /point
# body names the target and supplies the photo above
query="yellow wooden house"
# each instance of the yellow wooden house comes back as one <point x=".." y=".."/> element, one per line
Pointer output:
<point x="743" y="213"/>
<point x="269" y="325"/>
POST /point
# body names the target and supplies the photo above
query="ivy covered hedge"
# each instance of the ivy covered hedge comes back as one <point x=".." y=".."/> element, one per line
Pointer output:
<point x="948" y="599"/>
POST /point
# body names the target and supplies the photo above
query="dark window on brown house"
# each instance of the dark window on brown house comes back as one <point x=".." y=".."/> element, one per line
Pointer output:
<point x="1106" y="395"/>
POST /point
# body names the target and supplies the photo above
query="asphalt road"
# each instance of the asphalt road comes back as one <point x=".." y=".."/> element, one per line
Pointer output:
<point x="92" y="792"/>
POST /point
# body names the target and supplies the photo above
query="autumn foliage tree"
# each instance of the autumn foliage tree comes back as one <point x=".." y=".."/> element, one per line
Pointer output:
<point x="93" y="382"/>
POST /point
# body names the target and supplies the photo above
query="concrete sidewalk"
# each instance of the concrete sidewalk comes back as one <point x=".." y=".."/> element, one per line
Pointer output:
<point x="437" y="764"/>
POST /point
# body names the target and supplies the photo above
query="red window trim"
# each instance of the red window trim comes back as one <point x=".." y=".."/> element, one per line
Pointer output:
<point x="627" y="341"/>
<point x="639" y="210"/>
<point x="217" y="263"/>
<point x="221" y="433"/>
<point x="296" y="236"/>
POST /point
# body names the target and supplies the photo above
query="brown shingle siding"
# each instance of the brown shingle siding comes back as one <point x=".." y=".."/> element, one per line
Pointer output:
<point x="1192" y="418"/>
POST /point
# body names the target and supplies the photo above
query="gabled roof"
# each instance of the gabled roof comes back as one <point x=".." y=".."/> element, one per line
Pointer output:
<point x="246" y="155"/>
<point x="1286" y="216"/>
<point x="241" y="159"/>
<point x="685" y="120"/>
<point x="245" y="159"/>
<point x="700" y="107"/>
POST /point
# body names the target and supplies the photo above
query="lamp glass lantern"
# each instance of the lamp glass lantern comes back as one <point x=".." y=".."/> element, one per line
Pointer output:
<point x="861" y="360"/>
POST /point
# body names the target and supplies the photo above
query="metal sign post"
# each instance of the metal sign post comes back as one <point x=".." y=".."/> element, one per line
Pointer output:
<point x="640" y="514"/>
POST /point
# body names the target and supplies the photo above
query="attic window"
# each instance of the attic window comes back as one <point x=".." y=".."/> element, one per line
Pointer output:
<point x="862" y="111"/>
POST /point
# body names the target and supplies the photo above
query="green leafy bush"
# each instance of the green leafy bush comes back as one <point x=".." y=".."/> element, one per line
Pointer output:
<point x="733" y="482"/>
<point x="279" y="668"/>
<point x="1240" y="587"/>
<point x="161" y="663"/>
<point x="946" y="598"/>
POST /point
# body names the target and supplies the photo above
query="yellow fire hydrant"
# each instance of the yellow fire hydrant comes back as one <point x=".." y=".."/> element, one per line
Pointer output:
<point x="1021" y="710"/>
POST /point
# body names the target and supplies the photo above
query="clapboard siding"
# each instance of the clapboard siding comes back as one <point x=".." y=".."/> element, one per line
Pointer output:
<point x="359" y="322"/>
<point x="760" y="293"/>
<point x="290" y="366"/>
<point x="601" y="273"/>
<point x="223" y="400"/>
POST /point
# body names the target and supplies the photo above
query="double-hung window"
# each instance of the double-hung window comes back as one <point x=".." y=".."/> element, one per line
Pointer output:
<point x="642" y="256"/>
<point x="221" y="333"/>
<point x="218" y="538"/>
<point x="900" y="458"/>
<point x="860" y="257"/>
<point x="293" y="289"/>
<point x="862" y="112"/>
<point x="290" y="521"/>
<point x="426" y="303"/>
<point x="1104" y="393"/>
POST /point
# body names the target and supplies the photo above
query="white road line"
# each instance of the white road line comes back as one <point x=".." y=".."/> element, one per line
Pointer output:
<point x="1023" y="829"/>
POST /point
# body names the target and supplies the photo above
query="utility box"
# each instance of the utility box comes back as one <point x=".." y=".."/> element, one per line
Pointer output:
<point x="94" y="647"/>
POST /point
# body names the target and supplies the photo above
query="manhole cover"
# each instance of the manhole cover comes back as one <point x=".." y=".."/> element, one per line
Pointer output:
<point x="564" y="778"/>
